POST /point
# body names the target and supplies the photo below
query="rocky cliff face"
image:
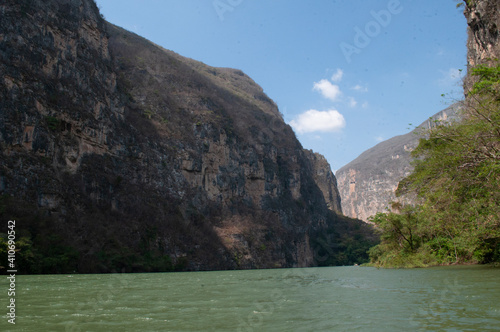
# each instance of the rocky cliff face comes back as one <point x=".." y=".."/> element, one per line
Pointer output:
<point x="118" y="154"/>
<point x="325" y="180"/>
<point x="483" y="44"/>
<point x="367" y="184"/>
<point x="483" y="20"/>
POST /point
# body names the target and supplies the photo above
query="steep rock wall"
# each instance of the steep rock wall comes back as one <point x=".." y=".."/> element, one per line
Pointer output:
<point x="325" y="180"/>
<point x="483" y="43"/>
<point x="118" y="154"/>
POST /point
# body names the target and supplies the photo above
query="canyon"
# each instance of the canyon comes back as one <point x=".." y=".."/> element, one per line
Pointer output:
<point x="119" y="155"/>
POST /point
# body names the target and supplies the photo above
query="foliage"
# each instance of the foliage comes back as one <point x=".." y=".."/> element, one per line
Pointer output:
<point x="345" y="243"/>
<point x="24" y="256"/>
<point x="469" y="3"/>
<point x="148" y="113"/>
<point x="52" y="122"/>
<point x="457" y="181"/>
<point x="52" y="257"/>
<point x="488" y="83"/>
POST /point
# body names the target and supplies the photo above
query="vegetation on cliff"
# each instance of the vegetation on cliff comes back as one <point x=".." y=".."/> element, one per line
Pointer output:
<point x="457" y="181"/>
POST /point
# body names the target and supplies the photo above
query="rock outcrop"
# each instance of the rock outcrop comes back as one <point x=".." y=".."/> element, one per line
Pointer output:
<point x="483" y="43"/>
<point x="367" y="184"/>
<point x="118" y="154"/>
<point x="325" y="180"/>
<point x="483" y="20"/>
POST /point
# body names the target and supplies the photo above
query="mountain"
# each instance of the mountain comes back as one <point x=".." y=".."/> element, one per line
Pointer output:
<point x="119" y="155"/>
<point x="367" y="184"/>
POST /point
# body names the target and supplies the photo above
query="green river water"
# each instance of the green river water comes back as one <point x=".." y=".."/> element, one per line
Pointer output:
<point x="461" y="298"/>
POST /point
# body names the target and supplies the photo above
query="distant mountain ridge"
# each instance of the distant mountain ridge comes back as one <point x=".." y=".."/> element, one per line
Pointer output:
<point x="365" y="191"/>
<point x="368" y="183"/>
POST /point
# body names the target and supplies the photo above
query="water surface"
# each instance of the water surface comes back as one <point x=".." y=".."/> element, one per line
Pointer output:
<point x="465" y="298"/>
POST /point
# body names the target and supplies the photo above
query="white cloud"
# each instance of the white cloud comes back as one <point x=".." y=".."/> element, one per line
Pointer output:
<point x="352" y="102"/>
<point x="337" y="77"/>
<point x="327" y="89"/>
<point x="360" y="88"/>
<point x="365" y="105"/>
<point x="379" y="139"/>
<point x="314" y="121"/>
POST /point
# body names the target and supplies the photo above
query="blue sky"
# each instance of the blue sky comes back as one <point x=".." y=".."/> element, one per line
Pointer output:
<point x="346" y="74"/>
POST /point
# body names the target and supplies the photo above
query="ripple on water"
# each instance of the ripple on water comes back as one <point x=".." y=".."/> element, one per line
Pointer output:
<point x="321" y="299"/>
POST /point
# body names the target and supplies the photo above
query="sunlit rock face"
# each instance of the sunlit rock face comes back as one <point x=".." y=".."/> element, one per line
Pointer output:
<point x="367" y="185"/>
<point x="483" y="44"/>
<point x="483" y="19"/>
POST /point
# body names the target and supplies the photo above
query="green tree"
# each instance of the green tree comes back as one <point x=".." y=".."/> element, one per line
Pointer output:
<point x="24" y="257"/>
<point x="457" y="182"/>
<point x="403" y="235"/>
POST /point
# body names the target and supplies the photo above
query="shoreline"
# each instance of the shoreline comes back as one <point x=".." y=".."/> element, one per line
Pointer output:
<point x="492" y="265"/>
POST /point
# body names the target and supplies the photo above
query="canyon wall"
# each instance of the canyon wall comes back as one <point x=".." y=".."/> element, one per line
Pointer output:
<point x="117" y="154"/>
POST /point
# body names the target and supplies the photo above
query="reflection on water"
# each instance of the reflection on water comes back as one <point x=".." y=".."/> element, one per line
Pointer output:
<point x="317" y="299"/>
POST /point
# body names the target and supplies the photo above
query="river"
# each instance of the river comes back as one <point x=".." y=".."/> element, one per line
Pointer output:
<point x="459" y="298"/>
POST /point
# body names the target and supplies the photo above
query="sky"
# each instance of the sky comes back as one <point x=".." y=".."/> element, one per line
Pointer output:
<point x="345" y="74"/>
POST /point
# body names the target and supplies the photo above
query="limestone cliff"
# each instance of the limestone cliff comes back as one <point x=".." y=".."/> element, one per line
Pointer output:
<point x="326" y="181"/>
<point x="483" y="43"/>
<point x="483" y="20"/>
<point x="367" y="184"/>
<point x="118" y="154"/>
